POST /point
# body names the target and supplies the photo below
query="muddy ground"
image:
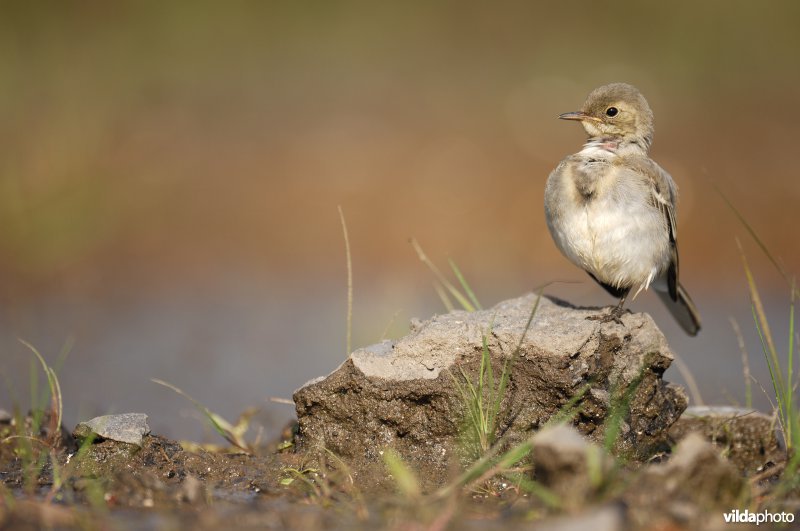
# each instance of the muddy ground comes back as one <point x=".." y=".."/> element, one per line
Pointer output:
<point x="107" y="484"/>
<point x="52" y="480"/>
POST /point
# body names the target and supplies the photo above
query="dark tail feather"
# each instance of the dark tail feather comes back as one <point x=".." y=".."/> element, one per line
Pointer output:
<point x="683" y="310"/>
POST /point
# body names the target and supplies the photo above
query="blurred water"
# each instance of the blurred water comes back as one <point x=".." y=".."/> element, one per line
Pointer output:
<point x="236" y="344"/>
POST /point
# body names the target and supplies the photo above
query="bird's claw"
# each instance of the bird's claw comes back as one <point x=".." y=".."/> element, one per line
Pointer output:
<point x="615" y="315"/>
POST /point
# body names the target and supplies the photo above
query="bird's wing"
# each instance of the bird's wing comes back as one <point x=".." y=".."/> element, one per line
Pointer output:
<point x="664" y="195"/>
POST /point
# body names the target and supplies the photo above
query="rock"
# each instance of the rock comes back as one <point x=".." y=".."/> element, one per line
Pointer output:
<point x="126" y="427"/>
<point x="696" y="482"/>
<point x="5" y="417"/>
<point x="747" y="437"/>
<point x="570" y="466"/>
<point x="403" y="393"/>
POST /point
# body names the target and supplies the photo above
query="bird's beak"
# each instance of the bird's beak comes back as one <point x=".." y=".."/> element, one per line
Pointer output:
<point x="578" y="115"/>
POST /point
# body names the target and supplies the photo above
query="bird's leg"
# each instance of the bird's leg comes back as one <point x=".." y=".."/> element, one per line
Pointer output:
<point x="614" y="315"/>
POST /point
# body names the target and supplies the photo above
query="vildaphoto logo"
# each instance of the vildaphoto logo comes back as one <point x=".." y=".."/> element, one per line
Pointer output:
<point x="764" y="517"/>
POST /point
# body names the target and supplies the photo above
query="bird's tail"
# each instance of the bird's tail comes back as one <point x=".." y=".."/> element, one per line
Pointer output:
<point x="683" y="310"/>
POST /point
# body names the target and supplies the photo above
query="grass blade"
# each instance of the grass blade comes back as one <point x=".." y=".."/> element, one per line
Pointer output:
<point x="445" y="298"/>
<point x="756" y="298"/>
<point x="777" y="381"/>
<point x="462" y="300"/>
<point x="405" y="478"/>
<point x="56" y="401"/>
<point x="618" y="410"/>
<point x="789" y="376"/>
<point x="757" y="239"/>
<point x="748" y="384"/>
<point x="691" y="383"/>
<point x="349" y="283"/>
<point x="464" y="284"/>
<point x="547" y="496"/>
<point x="509" y="363"/>
<point x="765" y="335"/>
<point x="232" y="434"/>
<point x="473" y="473"/>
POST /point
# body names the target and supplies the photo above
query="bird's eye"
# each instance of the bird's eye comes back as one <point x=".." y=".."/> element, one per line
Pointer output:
<point x="612" y="111"/>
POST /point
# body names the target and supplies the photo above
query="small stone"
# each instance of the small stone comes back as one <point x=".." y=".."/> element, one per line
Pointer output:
<point x="696" y="481"/>
<point x="569" y="465"/>
<point x="126" y="427"/>
<point x="5" y="417"/>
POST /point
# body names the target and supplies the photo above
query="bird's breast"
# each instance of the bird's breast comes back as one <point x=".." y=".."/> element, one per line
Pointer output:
<point x="605" y="224"/>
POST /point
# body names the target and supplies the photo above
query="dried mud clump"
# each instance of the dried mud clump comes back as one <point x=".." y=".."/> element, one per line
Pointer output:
<point x="403" y="394"/>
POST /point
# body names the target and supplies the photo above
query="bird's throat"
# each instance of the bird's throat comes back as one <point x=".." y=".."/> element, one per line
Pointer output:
<point x="601" y="148"/>
<point x="604" y="148"/>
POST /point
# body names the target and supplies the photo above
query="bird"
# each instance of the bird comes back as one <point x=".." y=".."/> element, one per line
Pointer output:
<point x="611" y="210"/>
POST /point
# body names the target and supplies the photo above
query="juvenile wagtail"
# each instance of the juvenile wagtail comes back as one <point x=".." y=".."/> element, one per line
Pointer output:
<point x="611" y="209"/>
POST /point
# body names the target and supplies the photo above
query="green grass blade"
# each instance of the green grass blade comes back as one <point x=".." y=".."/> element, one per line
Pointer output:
<point x="406" y="480"/>
<point x="777" y="382"/>
<point x="52" y="381"/>
<point x="764" y="328"/>
<point x="468" y="397"/>
<point x="508" y="365"/>
<point x="464" y="284"/>
<point x="59" y="400"/>
<point x="484" y="393"/>
<point x="489" y="466"/>
<point x="63" y="354"/>
<point x="547" y="496"/>
<point x="514" y="455"/>
<point x="36" y="399"/>
<point x="474" y="471"/>
<point x="460" y="297"/>
<point x="748" y="384"/>
<point x="473" y="391"/>
<point x="488" y="385"/>
<point x="618" y="410"/>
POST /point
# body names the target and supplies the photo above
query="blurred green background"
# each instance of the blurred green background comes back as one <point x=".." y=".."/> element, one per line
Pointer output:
<point x="170" y="172"/>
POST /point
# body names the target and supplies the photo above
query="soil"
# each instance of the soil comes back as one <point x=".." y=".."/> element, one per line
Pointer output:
<point x="161" y="484"/>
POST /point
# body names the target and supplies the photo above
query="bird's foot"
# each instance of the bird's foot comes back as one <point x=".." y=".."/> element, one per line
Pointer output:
<point x="615" y="315"/>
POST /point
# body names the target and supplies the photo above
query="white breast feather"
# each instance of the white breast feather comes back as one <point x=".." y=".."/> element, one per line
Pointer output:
<point x="620" y="238"/>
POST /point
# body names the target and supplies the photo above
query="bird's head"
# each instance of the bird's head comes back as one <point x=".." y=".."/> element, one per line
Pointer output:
<point x="617" y="110"/>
